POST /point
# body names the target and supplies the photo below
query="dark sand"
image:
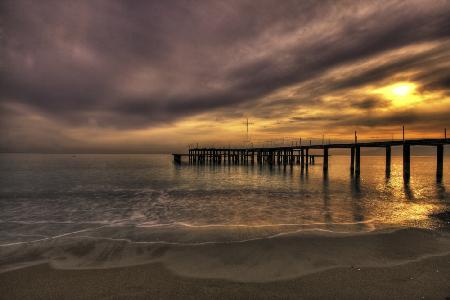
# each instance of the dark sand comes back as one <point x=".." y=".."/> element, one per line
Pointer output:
<point x="401" y="264"/>
<point x="425" y="279"/>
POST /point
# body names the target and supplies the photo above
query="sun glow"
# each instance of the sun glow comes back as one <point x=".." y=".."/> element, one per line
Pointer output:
<point x="403" y="89"/>
<point x="400" y="94"/>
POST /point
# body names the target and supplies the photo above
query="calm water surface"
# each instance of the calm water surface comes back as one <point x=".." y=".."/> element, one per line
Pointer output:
<point x="148" y="198"/>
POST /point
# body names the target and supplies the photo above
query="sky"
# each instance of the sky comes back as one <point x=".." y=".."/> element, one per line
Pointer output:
<point x="158" y="76"/>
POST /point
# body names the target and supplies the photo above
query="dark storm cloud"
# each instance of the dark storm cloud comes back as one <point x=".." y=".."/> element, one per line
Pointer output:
<point x="77" y="61"/>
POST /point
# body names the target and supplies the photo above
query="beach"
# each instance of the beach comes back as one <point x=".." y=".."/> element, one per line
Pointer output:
<point x="426" y="279"/>
<point x="402" y="264"/>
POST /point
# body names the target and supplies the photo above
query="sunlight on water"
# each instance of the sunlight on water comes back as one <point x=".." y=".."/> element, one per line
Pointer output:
<point x="147" y="198"/>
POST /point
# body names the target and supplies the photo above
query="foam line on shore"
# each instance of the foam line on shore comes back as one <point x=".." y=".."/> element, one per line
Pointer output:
<point x="53" y="237"/>
<point x="175" y="224"/>
<point x="187" y="225"/>
<point x="50" y="237"/>
<point x="173" y="243"/>
<point x="273" y="236"/>
<point x="211" y="242"/>
<point x="184" y="224"/>
<point x="269" y="225"/>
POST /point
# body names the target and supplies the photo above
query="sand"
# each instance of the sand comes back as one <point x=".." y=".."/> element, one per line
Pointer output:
<point x="425" y="279"/>
<point x="400" y="264"/>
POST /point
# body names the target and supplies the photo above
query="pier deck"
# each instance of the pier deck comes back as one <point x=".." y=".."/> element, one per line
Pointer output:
<point x="299" y="154"/>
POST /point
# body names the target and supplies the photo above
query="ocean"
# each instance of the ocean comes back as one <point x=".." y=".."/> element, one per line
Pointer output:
<point x="51" y="204"/>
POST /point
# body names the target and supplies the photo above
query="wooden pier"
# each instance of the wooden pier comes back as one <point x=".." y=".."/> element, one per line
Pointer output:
<point x="291" y="155"/>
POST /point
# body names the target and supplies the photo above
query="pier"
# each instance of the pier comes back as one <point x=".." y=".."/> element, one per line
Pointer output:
<point x="290" y="155"/>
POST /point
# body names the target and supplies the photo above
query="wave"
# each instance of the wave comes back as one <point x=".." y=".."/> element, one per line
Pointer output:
<point x="173" y="225"/>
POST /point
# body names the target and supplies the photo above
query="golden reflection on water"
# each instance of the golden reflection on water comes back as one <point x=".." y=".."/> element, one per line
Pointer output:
<point x="412" y="211"/>
<point x="260" y="196"/>
<point x="403" y="203"/>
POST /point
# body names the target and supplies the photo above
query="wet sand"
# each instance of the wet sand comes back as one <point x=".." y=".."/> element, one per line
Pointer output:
<point x="400" y="264"/>
<point x="425" y="279"/>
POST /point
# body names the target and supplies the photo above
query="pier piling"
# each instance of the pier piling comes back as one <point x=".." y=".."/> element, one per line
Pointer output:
<point x="307" y="157"/>
<point x="302" y="158"/>
<point x="439" y="162"/>
<point x="388" y="160"/>
<point x="358" y="160"/>
<point x="406" y="161"/>
<point x="352" y="160"/>
<point x="325" y="159"/>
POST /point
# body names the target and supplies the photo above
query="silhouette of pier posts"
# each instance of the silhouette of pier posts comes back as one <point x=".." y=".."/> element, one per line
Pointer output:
<point x="357" y="160"/>
<point x="302" y="158"/>
<point x="406" y="161"/>
<point x="352" y="160"/>
<point x="307" y="157"/>
<point x="439" y="162"/>
<point x="270" y="158"/>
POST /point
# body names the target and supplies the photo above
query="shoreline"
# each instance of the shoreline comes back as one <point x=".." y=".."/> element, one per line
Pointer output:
<point x="280" y="257"/>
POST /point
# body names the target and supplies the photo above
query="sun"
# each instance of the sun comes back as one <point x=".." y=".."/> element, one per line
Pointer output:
<point x="402" y="89"/>
<point x="400" y="93"/>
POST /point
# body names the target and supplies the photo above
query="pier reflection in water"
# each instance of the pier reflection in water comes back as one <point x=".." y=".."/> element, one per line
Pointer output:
<point x="374" y="197"/>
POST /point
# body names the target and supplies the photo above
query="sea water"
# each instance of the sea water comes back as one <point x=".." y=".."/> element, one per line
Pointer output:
<point x="50" y="200"/>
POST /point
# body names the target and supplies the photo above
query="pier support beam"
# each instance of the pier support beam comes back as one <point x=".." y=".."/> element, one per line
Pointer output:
<point x="439" y="162"/>
<point x="388" y="160"/>
<point x="270" y="157"/>
<point x="358" y="160"/>
<point x="302" y="158"/>
<point x="307" y="157"/>
<point x="352" y="160"/>
<point x="406" y="161"/>
<point x="325" y="159"/>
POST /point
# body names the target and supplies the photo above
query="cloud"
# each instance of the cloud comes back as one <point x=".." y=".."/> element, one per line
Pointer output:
<point x="409" y="117"/>
<point x="144" y="64"/>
